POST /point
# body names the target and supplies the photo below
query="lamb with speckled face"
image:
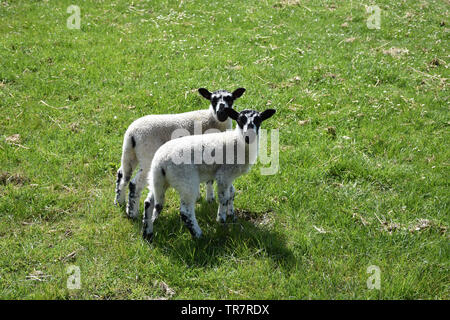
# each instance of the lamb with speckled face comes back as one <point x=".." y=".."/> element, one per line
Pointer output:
<point x="145" y="135"/>
<point x="232" y="153"/>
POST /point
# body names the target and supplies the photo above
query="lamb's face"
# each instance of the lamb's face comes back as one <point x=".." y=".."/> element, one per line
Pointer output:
<point x="249" y="122"/>
<point x="221" y="100"/>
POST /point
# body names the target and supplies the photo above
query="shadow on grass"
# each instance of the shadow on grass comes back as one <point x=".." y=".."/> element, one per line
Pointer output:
<point x="240" y="241"/>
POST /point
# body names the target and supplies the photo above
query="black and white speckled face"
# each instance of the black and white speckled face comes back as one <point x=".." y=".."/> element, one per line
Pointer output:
<point x="249" y="121"/>
<point x="221" y="100"/>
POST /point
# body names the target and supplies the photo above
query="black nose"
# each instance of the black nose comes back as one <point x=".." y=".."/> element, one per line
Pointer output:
<point x="250" y="126"/>
<point x="221" y="105"/>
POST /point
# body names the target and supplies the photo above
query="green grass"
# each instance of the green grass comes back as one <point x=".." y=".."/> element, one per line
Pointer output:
<point x="369" y="165"/>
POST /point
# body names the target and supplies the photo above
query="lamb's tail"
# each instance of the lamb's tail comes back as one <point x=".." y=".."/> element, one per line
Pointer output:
<point x="157" y="177"/>
<point x="129" y="159"/>
<point x="158" y="183"/>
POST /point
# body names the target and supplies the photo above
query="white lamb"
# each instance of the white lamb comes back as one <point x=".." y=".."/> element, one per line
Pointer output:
<point x="224" y="157"/>
<point x="145" y="135"/>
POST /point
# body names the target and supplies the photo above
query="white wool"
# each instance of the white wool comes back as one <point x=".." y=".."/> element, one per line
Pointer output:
<point x="143" y="138"/>
<point x="229" y="140"/>
<point x="185" y="162"/>
<point x="185" y="177"/>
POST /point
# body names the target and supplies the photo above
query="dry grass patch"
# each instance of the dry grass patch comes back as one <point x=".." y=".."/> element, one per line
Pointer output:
<point x="13" y="178"/>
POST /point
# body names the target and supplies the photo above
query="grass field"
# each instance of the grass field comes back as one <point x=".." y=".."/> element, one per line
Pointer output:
<point x="363" y="116"/>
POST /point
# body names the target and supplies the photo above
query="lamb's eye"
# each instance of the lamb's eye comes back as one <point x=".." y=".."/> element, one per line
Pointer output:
<point x="242" y="120"/>
<point x="228" y="100"/>
<point x="215" y="99"/>
<point x="257" y="121"/>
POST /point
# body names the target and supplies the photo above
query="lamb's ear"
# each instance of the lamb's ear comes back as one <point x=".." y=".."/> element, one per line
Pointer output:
<point x="233" y="114"/>
<point x="266" y="114"/>
<point x="205" y="93"/>
<point x="238" y="92"/>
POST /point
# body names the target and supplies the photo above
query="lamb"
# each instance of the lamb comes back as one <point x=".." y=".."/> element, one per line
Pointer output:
<point x="172" y="166"/>
<point x="145" y="135"/>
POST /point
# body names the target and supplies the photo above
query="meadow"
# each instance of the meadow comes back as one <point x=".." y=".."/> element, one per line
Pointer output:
<point x="362" y="188"/>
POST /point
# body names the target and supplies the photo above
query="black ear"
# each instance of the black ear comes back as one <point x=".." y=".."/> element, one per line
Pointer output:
<point x="238" y="92"/>
<point x="205" y="93"/>
<point x="233" y="114"/>
<point x="266" y="114"/>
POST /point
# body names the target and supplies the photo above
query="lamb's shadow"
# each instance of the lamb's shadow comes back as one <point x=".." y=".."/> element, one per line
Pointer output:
<point x="250" y="235"/>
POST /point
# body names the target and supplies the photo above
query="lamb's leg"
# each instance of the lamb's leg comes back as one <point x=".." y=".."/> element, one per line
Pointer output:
<point x="224" y="199"/>
<point x="230" y="213"/>
<point x="210" y="191"/>
<point x="149" y="206"/>
<point x="187" y="212"/>
<point x="153" y="207"/>
<point x="136" y="186"/>
<point x="133" y="205"/>
<point x="129" y="163"/>
<point x="120" y="196"/>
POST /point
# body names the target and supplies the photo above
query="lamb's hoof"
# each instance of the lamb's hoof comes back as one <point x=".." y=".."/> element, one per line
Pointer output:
<point x="211" y="200"/>
<point x="119" y="203"/>
<point x="147" y="236"/>
<point x="198" y="236"/>
<point x="221" y="220"/>
<point x="131" y="214"/>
